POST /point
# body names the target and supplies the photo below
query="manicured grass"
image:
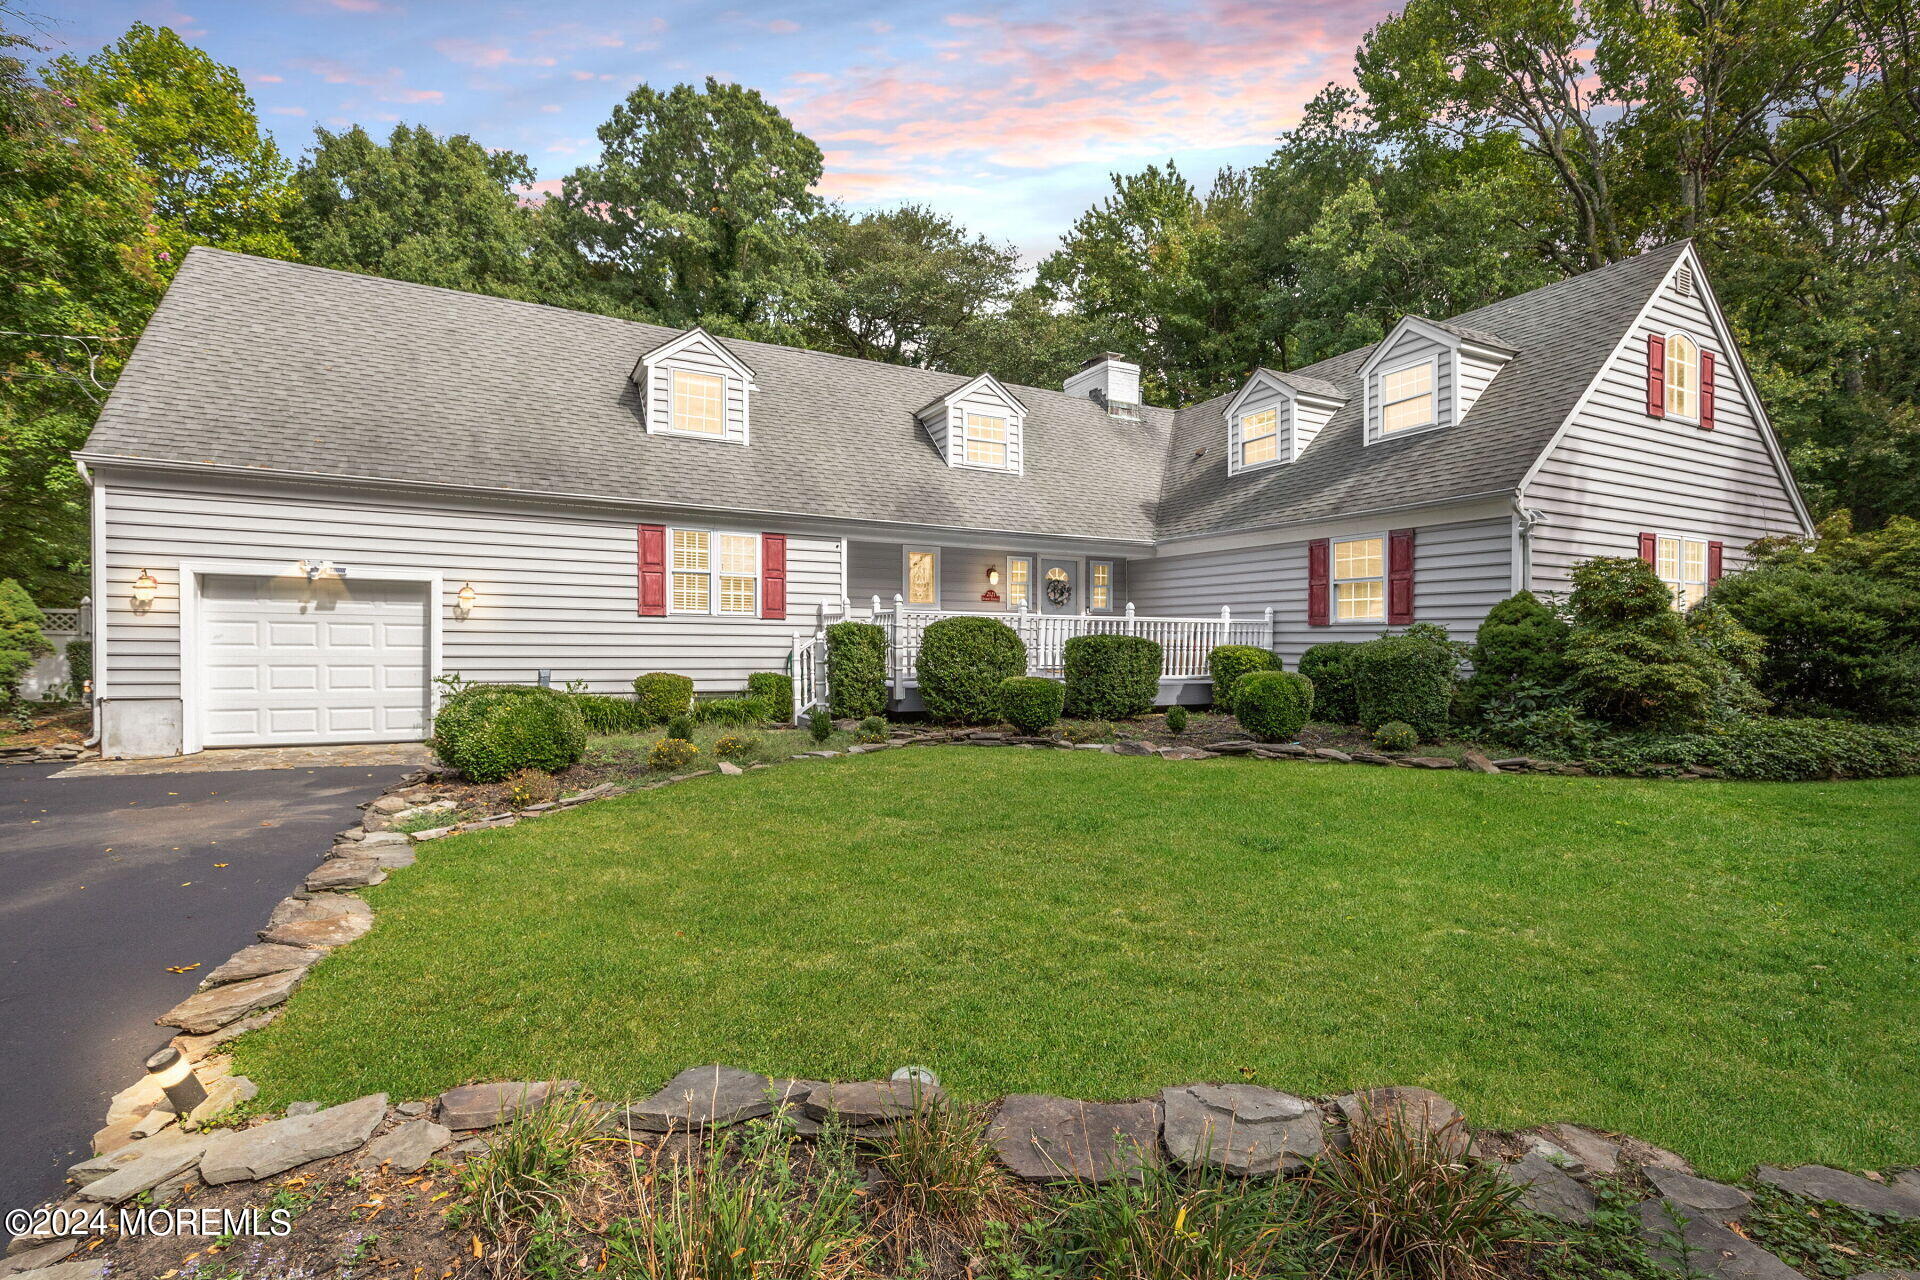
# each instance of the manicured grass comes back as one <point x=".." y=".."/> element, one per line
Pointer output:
<point x="1731" y="970"/>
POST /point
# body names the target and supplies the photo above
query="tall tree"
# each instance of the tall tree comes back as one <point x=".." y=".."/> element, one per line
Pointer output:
<point x="696" y="211"/>
<point x="192" y="127"/>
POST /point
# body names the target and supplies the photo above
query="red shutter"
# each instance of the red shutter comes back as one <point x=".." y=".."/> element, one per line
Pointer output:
<point x="653" y="570"/>
<point x="1400" y="577"/>
<point x="773" y="575"/>
<point x="1706" y="390"/>
<point x="1317" y="582"/>
<point x="1716" y="560"/>
<point x="1649" y="547"/>
<point x="1656" y="375"/>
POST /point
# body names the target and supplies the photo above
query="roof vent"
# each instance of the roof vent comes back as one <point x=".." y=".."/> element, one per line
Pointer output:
<point x="1683" y="282"/>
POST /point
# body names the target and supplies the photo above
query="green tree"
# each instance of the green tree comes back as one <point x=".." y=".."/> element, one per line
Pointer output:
<point x="192" y="127"/>
<point x="697" y="210"/>
<point x="1033" y="340"/>
<point x="21" y="637"/>
<point x="902" y="284"/>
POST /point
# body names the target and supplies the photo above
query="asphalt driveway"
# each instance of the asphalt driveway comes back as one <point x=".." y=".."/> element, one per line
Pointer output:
<point x="105" y="882"/>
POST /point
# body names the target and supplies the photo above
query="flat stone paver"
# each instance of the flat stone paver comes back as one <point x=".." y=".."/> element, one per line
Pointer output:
<point x="232" y="759"/>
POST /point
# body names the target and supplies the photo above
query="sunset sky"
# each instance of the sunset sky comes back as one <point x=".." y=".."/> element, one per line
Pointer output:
<point x="1009" y="117"/>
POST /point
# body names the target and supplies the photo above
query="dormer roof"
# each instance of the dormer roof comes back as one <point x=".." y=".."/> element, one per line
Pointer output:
<point x="985" y="381"/>
<point x="694" y="337"/>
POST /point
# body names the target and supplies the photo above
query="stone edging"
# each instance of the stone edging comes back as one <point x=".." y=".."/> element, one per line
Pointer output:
<point x="54" y="753"/>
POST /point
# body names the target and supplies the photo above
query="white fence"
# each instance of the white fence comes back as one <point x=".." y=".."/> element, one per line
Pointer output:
<point x="809" y="668"/>
<point x="50" y="674"/>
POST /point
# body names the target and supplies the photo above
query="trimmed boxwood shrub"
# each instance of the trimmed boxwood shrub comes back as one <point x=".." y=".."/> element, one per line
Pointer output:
<point x="1031" y="703"/>
<point x="491" y="732"/>
<point x="1176" y="719"/>
<point x="1519" y="652"/>
<point x="1226" y="663"/>
<point x="1633" y="665"/>
<point x="856" y="670"/>
<point x="1407" y="678"/>
<point x="1273" y="706"/>
<point x="607" y="713"/>
<point x="1838" y="641"/>
<point x="962" y="662"/>
<point x="1111" y="677"/>
<point x="1330" y="667"/>
<point x="773" y="689"/>
<point x="663" y="693"/>
<point x="1396" y="735"/>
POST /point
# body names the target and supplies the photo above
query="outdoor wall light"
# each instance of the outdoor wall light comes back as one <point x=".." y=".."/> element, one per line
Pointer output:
<point x="144" y="588"/>
<point x="464" y="599"/>
<point x="993" y="575"/>
<point x="174" y="1074"/>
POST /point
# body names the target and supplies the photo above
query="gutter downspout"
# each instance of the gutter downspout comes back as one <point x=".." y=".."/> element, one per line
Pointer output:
<point x="97" y="601"/>
<point x="1524" y="519"/>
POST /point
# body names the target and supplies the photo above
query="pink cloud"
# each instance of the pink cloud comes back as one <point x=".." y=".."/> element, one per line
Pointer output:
<point x="267" y="79"/>
<point x="783" y="26"/>
<point x="473" y="53"/>
<point x="359" y="6"/>
<point x="288" y="111"/>
<point x="386" y="84"/>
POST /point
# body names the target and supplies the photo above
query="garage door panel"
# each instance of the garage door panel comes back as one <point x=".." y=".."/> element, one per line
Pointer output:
<point x="284" y="661"/>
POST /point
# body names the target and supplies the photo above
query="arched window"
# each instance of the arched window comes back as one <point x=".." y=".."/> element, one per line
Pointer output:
<point x="1683" y="376"/>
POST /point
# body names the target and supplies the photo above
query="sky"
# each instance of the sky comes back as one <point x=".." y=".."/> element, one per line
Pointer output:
<point x="1008" y="117"/>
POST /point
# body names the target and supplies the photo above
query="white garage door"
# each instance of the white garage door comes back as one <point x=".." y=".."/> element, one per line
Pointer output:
<point x="287" y="661"/>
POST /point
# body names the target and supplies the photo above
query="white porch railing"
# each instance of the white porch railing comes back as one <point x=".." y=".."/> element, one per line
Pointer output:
<point x="809" y="669"/>
<point x="1184" y="642"/>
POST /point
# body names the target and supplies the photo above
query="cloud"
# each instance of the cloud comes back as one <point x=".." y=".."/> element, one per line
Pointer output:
<point x="288" y="111"/>
<point x="783" y="26"/>
<point x="360" y="6"/>
<point x="386" y="84"/>
<point x="267" y="79"/>
<point x="550" y="108"/>
<point x="474" y="53"/>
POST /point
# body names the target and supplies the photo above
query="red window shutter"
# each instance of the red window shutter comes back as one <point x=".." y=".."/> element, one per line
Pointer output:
<point x="1649" y="547"/>
<point x="1656" y="375"/>
<point x="1318" y="578"/>
<point x="1400" y="577"/>
<point x="1706" y="390"/>
<point x="773" y="575"/>
<point x="1716" y="561"/>
<point x="653" y="570"/>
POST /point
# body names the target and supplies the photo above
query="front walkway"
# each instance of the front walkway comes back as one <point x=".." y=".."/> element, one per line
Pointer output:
<point x="236" y="759"/>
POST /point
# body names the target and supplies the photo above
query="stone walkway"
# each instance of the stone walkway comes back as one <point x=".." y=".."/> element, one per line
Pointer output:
<point x="242" y="758"/>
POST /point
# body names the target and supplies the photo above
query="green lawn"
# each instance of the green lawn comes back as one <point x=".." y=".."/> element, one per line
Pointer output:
<point x="1732" y="970"/>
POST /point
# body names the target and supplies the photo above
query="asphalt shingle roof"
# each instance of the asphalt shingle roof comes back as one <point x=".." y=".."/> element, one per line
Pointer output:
<point x="258" y="364"/>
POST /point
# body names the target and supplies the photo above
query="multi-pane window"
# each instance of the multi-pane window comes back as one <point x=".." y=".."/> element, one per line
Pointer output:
<point x="1681" y="563"/>
<point x="1100" y="586"/>
<point x="986" y="440"/>
<point x="699" y="403"/>
<point x="1019" y="582"/>
<point x="923" y="577"/>
<point x="1406" y="398"/>
<point x="1259" y="437"/>
<point x="1359" y="581"/>
<point x="1683" y="376"/>
<point x="712" y="569"/>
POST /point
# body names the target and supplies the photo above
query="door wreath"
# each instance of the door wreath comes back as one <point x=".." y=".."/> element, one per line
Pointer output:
<point x="1059" y="590"/>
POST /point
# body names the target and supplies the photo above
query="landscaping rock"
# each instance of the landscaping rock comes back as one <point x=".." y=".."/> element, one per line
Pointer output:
<point x="395" y="859"/>
<point x="1550" y="1190"/>
<point x="1697" y="1197"/>
<point x="433" y="833"/>
<point x="425" y="810"/>
<point x="1135" y="749"/>
<point x="81" y="1269"/>
<point x="196" y="1048"/>
<point x="303" y="1108"/>
<point x="709" y="1097"/>
<point x="258" y="961"/>
<point x="1186" y="753"/>
<point x="1706" y="1247"/>
<point x="215" y="1008"/>
<point x="152" y="1163"/>
<point x="1328" y="753"/>
<point x="861" y="1103"/>
<point x="1041" y="1138"/>
<point x="325" y="920"/>
<point x="1478" y="763"/>
<point x="1236" y="747"/>
<point x="467" y="1150"/>
<point x="345" y="873"/>
<point x="1242" y="1128"/>
<point x="238" y="1155"/>
<point x="1592" y="1152"/>
<point x="387" y="804"/>
<point x="407" y="1148"/>
<point x="1431" y="762"/>
<point x="153" y="1122"/>
<point x="225" y="1092"/>
<point x="412" y="1108"/>
<point x="94" y="1168"/>
<point x="482" y="1106"/>
<point x="1415" y="1111"/>
<point x="134" y="1101"/>
<point x="731" y="769"/>
<point x="384" y="840"/>
<point x="1817" y="1182"/>
<point x="37" y="1257"/>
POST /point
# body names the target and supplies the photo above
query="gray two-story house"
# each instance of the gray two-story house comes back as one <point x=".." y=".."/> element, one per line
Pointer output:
<point x="316" y="492"/>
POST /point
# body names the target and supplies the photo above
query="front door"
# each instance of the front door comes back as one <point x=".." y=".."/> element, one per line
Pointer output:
<point x="1060" y="587"/>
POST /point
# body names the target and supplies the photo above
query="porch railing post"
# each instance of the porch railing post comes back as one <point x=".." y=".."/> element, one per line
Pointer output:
<point x="1226" y="625"/>
<point x="899" y="663"/>
<point x="802" y="676"/>
<point x="1269" y="622"/>
<point x="876" y="606"/>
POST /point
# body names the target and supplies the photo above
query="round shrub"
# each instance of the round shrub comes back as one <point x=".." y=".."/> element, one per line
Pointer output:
<point x="672" y="753"/>
<point x="1633" y="663"/>
<point x="663" y="693"/>
<point x="962" y="662"/>
<point x="774" y="690"/>
<point x="856" y="670"/>
<point x="1520" y="651"/>
<point x="819" y="724"/>
<point x="1407" y="678"/>
<point x="1836" y="640"/>
<point x="1031" y="703"/>
<point x="1330" y="667"/>
<point x="1273" y="706"/>
<point x="1226" y="663"/>
<point x="1111" y="677"/>
<point x="736" y="744"/>
<point x="1396" y="735"/>
<point x="491" y="732"/>
<point x="873" y="729"/>
<point x="1176" y="719"/>
<point x="680" y="726"/>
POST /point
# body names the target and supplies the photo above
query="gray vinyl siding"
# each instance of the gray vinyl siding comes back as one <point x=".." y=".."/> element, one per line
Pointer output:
<point x="879" y="569"/>
<point x="697" y="359"/>
<point x="1412" y="347"/>
<point x="1460" y="571"/>
<point x="556" y="589"/>
<point x="1282" y="405"/>
<point x="1475" y="374"/>
<point x="946" y="424"/>
<point x="1617" y="471"/>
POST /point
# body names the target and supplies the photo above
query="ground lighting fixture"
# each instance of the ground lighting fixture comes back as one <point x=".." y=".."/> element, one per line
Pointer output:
<point x="170" y="1070"/>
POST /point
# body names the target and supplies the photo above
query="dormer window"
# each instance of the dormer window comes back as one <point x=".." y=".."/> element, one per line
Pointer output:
<point x="692" y="385"/>
<point x="1259" y="437"/>
<point x="699" y="402"/>
<point x="1275" y="416"/>
<point x="1407" y="398"/>
<point x="977" y="424"/>
<point x="986" y="440"/>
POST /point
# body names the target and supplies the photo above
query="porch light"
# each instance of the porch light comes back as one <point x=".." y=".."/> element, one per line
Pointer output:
<point x="144" y="588"/>
<point x="170" y="1070"/>
<point x="993" y="575"/>
<point x="467" y="596"/>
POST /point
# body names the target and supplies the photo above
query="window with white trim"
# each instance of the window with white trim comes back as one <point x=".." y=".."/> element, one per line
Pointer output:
<point x="923" y="576"/>
<point x="714" y="572"/>
<point x="1681" y="563"/>
<point x="1019" y="582"/>
<point x="1407" y="398"/>
<point x="986" y="440"/>
<point x="1099" y="586"/>
<point x="699" y="403"/>
<point x="1259" y="437"/>
<point x="1683" y="376"/>
<point x="1360" y="580"/>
